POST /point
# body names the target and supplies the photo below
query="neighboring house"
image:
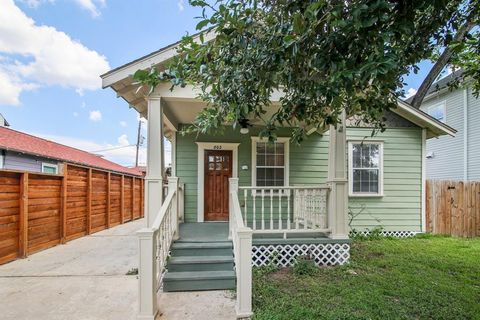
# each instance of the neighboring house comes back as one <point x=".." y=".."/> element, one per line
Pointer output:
<point x="23" y="152"/>
<point x="454" y="158"/>
<point x="279" y="200"/>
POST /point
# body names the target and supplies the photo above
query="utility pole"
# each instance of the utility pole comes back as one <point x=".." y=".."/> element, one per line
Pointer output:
<point x="138" y="141"/>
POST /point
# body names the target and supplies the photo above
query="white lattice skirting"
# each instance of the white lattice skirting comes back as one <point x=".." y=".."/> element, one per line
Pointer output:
<point x="283" y="255"/>
<point x="395" y="234"/>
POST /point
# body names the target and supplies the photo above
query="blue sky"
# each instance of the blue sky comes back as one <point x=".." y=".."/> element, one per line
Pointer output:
<point x="53" y="99"/>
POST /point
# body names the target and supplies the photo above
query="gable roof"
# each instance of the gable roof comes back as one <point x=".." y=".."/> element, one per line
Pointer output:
<point x="120" y="80"/>
<point x="25" y="143"/>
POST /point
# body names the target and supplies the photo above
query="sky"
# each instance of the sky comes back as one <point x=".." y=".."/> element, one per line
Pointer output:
<point x="52" y="53"/>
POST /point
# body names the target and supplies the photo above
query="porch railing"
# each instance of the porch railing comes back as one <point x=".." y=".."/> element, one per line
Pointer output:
<point x="293" y="209"/>
<point x="154" y="247"/>
<point x="242" y="248"/>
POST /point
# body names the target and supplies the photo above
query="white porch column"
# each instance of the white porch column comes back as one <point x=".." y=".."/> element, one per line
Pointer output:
<point x="153" y="179"/>
<point x="338" y="181"/>
<point x="233" y="187"/>
<point x="147" y="275"/>
<point x="173" y="187"/>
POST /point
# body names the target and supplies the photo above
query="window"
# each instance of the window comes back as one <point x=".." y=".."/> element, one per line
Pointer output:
<point x="49" y="168"/>
<point x="365" y="168"/>
<point x="270" y="162"/>
<point x="438" y="111"/>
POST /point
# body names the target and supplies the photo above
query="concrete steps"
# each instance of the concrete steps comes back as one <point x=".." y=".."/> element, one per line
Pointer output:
<point x="200" y="265"/>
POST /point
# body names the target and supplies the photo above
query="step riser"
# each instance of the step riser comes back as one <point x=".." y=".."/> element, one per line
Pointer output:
<point x="198" y="285"/>
<point x="202" y="252"/>
<point x="220" y="266"/>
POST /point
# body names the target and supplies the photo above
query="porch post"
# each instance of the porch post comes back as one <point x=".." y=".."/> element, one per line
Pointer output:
<point x="154" y="176"/>
<point x="173" y="187"/>
<point x="147" y="275"/>
<point x="338" y="181"/>
<point x="233" y="187"/>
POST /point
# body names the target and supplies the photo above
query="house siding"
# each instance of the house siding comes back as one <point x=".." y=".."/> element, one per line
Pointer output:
<point x="473" y="137"/>
<point x="447" y="161"/>
<point x="399" y="208"/>
<point x="24" y="162"/>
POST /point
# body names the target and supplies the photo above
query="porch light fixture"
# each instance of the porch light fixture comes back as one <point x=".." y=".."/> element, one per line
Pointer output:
<point x="244" y="126"/>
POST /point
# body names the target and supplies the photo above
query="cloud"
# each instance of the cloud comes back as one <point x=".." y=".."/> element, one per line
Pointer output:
<point x="410" y="93"/>
<point x="34" y="56"/>
<point x="95" y="115"/>
<point x="123" y="124"/>
<point x="181" y="5"/>
<point x="123" y="140"/>
<point x="92" y="6"/>
<point x="36" y="3"/>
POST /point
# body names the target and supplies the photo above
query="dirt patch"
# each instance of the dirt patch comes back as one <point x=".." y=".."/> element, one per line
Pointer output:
<point x="282" y="274"/>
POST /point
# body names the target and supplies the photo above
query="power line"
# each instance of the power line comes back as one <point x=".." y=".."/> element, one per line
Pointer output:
<point x="115" y="148"/>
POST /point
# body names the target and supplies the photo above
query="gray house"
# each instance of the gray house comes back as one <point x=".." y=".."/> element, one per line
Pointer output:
<point x="453" y="158"/>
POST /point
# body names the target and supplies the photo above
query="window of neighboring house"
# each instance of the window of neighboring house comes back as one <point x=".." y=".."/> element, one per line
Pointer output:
<point x="438" y="111"/>
<point x="49" y="168"/>
<point x="270" y="162"/>
<point x="2" y="159"/>
<point x="365" y="168"/>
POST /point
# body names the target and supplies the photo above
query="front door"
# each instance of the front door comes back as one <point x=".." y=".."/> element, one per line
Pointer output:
<point x="218" y="169"/>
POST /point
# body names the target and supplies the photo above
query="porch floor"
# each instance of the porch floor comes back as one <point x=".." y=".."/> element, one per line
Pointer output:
<point x="218" y="232"/>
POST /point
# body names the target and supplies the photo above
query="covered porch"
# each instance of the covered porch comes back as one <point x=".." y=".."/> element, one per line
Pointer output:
<point x="216" y="197"/>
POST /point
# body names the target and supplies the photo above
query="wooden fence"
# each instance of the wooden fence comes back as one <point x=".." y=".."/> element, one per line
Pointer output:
<point x="38" y="211"/>
<point x="453" y="208"/>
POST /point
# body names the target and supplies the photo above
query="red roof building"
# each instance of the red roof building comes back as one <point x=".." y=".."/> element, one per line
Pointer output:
<point x="20" y="142"/>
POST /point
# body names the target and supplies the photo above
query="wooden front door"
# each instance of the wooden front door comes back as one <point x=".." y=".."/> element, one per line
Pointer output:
<point x="218" y="168"/>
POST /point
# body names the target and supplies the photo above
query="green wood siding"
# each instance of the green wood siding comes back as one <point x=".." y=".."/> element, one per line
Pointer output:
<point x="398" y="209"/>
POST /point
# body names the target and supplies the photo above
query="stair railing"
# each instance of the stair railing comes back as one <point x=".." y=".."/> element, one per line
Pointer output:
<point x="154" y="248"/>
<point x="242" y="251"/>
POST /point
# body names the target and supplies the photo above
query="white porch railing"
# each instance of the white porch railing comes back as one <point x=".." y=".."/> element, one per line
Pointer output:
<point x="293" y="209"/>
<point x="154" y="247"/>
<point x="242" y="249"/>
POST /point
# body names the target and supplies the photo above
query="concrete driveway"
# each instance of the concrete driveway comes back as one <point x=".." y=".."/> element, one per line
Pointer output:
<point x="86" y="279"/>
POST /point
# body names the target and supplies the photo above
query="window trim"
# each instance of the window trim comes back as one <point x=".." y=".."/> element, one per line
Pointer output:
<point x="443" y="104"/>
<point x="350" y="169"/>
<point x="46" y="164"/>
<point x="286" y="159"/>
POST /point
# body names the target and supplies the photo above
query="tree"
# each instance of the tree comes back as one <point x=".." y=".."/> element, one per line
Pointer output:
<point x="461" y="50"/>
<point x="322" y="56"/>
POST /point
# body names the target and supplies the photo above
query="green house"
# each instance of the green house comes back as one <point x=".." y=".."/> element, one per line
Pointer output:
<point x="234" y="200"/>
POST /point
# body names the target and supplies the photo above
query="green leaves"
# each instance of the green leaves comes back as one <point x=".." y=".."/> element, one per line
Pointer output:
<point x="318" y="56"/>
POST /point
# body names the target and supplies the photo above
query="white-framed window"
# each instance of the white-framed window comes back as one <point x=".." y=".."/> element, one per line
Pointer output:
<point x="270" y="162"/>
<point x="49" y="168"/>
<point x="438" y="111"/>
<point x="365" y="168"/>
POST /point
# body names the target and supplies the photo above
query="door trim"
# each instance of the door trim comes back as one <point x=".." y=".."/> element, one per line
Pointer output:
<point x="202" y="146"/>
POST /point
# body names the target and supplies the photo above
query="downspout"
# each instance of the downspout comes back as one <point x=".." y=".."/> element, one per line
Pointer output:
<point x="465" y="134"/>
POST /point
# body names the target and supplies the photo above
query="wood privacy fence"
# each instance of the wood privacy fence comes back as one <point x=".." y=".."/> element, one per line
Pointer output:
<point x="453" y="208"/>
<point x="38" y="211"/>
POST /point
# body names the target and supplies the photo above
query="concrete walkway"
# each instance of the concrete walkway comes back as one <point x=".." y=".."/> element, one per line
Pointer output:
<point x="86" y="279"/>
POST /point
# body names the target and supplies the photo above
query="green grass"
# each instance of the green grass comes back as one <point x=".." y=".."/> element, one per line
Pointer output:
<point x="427" y="277"/>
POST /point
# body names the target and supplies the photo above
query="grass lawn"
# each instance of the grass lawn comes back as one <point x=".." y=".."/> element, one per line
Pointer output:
<point x="427" y="277"/>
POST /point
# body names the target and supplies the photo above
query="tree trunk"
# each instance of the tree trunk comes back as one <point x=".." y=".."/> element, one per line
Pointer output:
<point x="441" y="63"/>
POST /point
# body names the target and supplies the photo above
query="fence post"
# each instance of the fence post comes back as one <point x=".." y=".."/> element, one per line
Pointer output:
<point x="133" y="198"/>
<point x="89" y="201"/>
<point x="122" y="199"/>
<point x="244" y="274"/>
<point x="63" y="226"/>
<point x="233" y="187"/>
<point x="147" y="274"/>
<point x="109" y="177"/>
<point x="23" y="216"/>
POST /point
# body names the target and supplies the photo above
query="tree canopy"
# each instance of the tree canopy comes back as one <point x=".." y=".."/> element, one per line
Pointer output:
<point x="322" y="56"/>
